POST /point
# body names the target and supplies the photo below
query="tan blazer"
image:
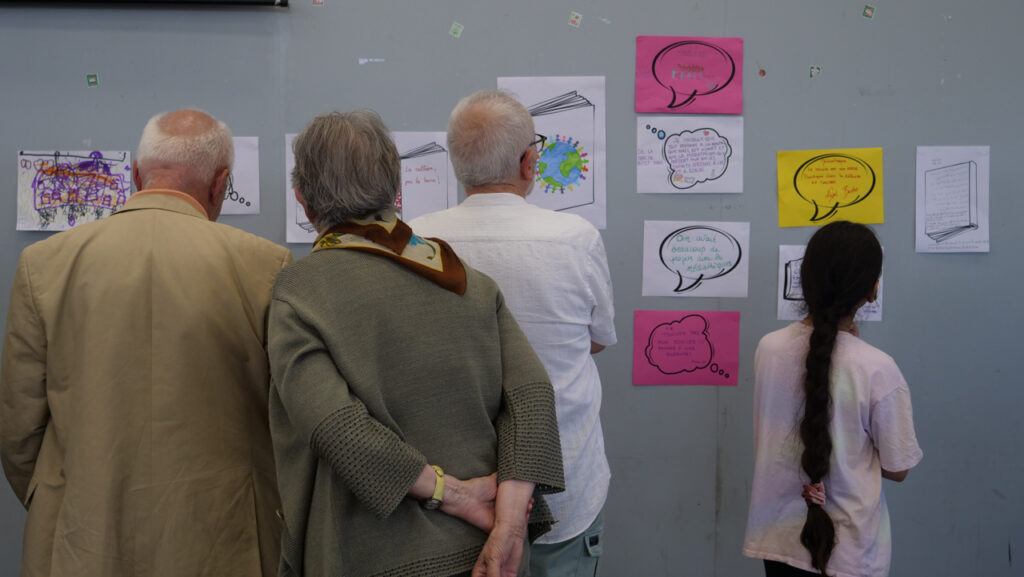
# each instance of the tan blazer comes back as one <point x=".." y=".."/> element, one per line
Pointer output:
<point x="133" y="396"/>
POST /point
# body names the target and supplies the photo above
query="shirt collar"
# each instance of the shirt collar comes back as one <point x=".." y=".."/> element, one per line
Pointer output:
<point x="165" y="199"/>
<point x="494" y="199"/>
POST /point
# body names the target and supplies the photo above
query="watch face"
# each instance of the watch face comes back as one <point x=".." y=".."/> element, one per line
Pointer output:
<point x="431" y="504"/>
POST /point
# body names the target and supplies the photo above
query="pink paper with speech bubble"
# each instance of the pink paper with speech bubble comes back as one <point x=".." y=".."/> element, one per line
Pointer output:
<point x="689" y="75"/>
<point x="686" y="348"/>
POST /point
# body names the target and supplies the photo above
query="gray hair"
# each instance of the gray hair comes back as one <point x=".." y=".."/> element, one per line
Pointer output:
<point x="488" y="131"/>
<point x="190" y="138"/>
<point x="346" y="166"/>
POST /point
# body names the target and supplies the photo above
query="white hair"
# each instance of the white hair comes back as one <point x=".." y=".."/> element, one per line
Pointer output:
<point x="488" y="131"/>
<point x="204" y="150"/>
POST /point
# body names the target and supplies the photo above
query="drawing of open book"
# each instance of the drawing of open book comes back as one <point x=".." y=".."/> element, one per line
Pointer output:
<point x="564" y="170"/>
<point x="425" y="180"/>
<point x="951" y="200"/>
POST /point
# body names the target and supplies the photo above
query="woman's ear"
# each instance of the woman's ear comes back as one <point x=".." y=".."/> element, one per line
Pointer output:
<point x="874" y="292"/>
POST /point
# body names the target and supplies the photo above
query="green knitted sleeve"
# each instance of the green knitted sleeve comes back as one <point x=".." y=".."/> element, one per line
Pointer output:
<point x="368" y="457"/>
<point x="529" y="448"/>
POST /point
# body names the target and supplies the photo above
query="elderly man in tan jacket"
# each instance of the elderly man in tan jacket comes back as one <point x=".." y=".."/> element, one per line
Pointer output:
<point x="133" y="392"/>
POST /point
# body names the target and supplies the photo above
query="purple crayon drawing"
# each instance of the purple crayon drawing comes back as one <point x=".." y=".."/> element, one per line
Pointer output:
<point x="58" y="190"/>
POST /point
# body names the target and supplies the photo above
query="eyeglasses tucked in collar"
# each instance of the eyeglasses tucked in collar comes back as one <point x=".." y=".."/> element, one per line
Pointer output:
<point x="537" y="145"/>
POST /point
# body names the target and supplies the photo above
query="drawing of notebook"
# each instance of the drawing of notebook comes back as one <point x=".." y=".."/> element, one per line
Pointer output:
<point x="951" y="200"/>
<point x="792" y="289"/>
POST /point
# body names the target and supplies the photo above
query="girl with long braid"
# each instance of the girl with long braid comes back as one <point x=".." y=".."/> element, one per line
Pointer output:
<point x="832" y="417"/>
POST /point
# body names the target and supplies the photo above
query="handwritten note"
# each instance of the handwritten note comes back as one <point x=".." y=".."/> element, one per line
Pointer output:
<point x="428" y="179"/>
<point x="689" y="154"/>
<point x="952" y="199"/>
<point x="816" y="187"/>
<point x="695" y="258"/>
<point x="689" y="75"/>
<point x="686" y="348"/>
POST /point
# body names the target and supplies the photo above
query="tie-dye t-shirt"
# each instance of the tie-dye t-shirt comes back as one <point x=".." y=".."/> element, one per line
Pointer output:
<point x="872" y="429"/>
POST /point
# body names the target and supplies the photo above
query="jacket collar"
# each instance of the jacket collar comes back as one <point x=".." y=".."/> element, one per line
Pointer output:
<point x="165" y="199"/>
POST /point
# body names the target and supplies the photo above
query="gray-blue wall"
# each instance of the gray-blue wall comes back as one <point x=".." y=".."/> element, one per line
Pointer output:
<point x="922" y="72"/>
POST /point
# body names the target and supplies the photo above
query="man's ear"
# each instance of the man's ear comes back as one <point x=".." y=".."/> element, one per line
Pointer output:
<point x="218" y="189"/>
<point x="136" y="175"/>
<point x="528" y="166"/>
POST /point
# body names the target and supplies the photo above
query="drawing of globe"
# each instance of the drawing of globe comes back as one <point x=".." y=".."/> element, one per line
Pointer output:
<point x="560" y="166"/>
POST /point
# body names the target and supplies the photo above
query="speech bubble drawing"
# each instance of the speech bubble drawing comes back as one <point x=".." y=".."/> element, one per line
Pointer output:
<point x="699" y="253"/>
<point x="682" y="346"/>
<point x="692" y="68"/>
<point x="833" y="181"/>
<point x="696" y="156"/>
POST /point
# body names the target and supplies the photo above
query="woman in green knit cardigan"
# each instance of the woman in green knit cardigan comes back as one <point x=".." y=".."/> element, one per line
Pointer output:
<point x="413" y="424"/>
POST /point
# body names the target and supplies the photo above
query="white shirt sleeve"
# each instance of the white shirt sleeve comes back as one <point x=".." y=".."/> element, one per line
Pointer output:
<point x="602" y="325"/>
<point x="892" y="429"/>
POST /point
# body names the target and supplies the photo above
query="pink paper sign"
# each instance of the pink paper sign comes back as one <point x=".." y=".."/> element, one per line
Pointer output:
<point x="689" y="75"/>
<point x="686" y="348"/>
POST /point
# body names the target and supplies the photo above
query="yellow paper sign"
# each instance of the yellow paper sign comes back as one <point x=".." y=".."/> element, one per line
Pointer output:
<point x="817" y="187"/>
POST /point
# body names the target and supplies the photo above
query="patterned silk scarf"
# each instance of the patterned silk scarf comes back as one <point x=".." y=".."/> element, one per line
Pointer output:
<point x="383" y="234"/>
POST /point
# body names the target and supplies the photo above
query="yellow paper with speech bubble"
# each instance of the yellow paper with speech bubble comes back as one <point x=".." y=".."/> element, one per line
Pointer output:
<point x="817" y="187"/>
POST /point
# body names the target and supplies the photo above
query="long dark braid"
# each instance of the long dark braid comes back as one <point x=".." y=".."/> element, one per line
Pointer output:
<point x="842" y="262"/>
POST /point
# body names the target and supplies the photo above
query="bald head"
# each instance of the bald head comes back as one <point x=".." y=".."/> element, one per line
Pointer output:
<point x="185" y="150"/>
<point x="488" y="131"/>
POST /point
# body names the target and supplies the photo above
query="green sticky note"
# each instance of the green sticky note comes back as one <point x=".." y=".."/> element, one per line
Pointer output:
<point x="869" y="11"/>
<point x="456" y="29"/>
<point x="92" y="80"/>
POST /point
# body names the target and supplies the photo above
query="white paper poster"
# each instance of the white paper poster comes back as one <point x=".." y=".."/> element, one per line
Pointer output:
<point x="569" y="111"/>
<point x="297" y="226"/>
<point x="243" y="194"/>
<point x="689" y="154"/>
<point x="791" y="295"/>
<point x="952" y="199"/>
<point x="58" y="190"/>
<point x="428" y="179"/>
<point x="696" y="259"/>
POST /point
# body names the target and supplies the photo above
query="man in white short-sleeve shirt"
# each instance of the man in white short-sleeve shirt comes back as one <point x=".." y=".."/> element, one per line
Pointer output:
<point x="553" y="272"/>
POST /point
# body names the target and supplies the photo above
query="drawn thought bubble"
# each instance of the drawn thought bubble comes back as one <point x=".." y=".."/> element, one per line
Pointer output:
<point x="833" y="181"/>
<point x="680" y="346"/>
<point x="699" y="253"/>
<point x="696" y="156"/>
<point x="691" y="68"/>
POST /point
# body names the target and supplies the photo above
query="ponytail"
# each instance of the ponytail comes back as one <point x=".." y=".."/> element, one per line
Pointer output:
<point x="842" y="262"/>
<point x="819" y="533"/>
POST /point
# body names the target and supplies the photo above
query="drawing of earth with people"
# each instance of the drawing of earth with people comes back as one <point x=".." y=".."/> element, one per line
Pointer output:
<point x="562" y="165"/>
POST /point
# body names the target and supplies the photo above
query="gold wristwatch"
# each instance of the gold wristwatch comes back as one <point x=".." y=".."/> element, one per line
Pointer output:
<point x="435" y="501"/>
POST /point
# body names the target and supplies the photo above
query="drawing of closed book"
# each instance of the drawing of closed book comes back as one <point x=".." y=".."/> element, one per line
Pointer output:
<point x="951" y="200"/>
<point x="792" y="290"/>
